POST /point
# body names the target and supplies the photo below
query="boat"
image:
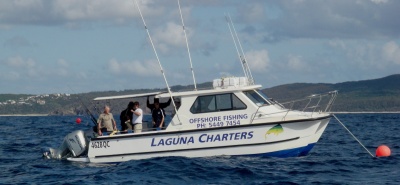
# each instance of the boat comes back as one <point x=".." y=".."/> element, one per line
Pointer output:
<point x="233" y="118"/>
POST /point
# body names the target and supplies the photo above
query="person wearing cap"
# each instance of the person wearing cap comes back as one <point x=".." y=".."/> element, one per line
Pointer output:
<point x="162" y="105"/>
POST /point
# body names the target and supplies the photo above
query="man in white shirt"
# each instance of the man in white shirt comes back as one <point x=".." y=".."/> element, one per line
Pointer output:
<point x="137" y="118"/>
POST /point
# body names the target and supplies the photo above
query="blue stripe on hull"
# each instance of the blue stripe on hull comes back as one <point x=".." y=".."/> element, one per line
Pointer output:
<point x="294" y="152"/>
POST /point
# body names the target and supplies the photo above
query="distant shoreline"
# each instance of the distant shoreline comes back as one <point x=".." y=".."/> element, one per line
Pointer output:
<point x="393" y="112"/>
<point x="24" y="115"/>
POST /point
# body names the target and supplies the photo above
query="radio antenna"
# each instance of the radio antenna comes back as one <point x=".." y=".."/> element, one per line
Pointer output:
<point x="187" y="46"/>
<point x="242" y="57"/>
<point x="159" y="63"/>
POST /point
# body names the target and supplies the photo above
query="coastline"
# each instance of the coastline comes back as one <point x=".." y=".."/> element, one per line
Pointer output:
<point x="3" y="115"/>
<point x="369" y="112"/>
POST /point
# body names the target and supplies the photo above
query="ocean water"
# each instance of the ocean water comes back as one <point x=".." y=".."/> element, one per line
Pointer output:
<point x="336" y="159"/>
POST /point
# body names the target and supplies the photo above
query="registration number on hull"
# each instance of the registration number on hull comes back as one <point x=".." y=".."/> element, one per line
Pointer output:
<point x="100" y="144"/>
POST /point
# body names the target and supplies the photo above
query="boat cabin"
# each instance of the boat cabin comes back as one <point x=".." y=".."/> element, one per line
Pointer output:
<point x="230" y="102"/>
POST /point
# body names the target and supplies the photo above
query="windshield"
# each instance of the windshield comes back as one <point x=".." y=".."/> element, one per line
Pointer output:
<point x="257" y="97"/>
<point x="262" y="94"/>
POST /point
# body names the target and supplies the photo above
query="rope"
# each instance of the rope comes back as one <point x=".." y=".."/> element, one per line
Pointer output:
<point x="353" y="136"/>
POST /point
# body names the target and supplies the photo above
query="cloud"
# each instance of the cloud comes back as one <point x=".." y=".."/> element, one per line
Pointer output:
<point x="62" y="68"/>
<point x="327" y="19"/>
<point x="10" y="75"/>
<point x="379" y="1"/>
<point x="19" y="62"/>
<point x="28" y="68"/>
<point x="278" y="19"/>
<point x="252" y="12"/>
<point x="56" y="12"/>
<point x="170" y="35"/>
<point x="134" y="68"/>
<point x="258" y="61"/>
<point x="18" y="67"/>
<point x="295" y="63"/>
<point x="365" y="55"/>
<point x="340" y="44"/>
<point x="17" y="42"/>
<point x="62" y="63"/>
<point x="391" y="52"/>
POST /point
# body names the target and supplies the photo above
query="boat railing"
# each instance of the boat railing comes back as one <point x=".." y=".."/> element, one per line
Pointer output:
<point x="310" y="105"/>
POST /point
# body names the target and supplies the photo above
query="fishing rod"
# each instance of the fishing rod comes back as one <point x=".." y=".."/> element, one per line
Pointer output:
<point x="159" y="63"/>
<point x="86" y="108"/>
<point x="237" y="50"/>
<point x="88" y="111"/>
<point x="244" y="60"/>
<point x="187" y="46"/>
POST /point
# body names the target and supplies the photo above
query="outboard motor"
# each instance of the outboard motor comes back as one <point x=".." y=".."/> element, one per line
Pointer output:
<point x="74" y="145"/>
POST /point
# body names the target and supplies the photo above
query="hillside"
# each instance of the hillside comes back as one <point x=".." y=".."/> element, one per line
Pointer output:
<point x="381" y="94"/>
<point x="72" y="104"/>
<point x="368" y="95"/>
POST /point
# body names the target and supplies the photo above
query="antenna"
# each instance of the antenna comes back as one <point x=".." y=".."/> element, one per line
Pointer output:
<point x="187" y="46"/>
<point x="159" y="63"/>
<point x="243" y="60"/>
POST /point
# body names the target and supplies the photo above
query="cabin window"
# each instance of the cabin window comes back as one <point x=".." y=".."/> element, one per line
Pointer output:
<point x="257" y="97"/>
<point x="215" y="103"/>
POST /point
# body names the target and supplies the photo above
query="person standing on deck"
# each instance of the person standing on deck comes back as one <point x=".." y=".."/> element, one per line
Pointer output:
<point x="126" y="117"/>
<point x="162" y="105"/>
<point x="158" y="116"/>
<point x="106" y="122"/>
<point x="137" y="118"/>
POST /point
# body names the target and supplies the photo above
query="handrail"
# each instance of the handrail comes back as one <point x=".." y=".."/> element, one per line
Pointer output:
<point x="318" y="98"/>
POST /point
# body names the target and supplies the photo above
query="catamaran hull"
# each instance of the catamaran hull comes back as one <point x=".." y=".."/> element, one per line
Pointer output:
<point x="278" y="139"/>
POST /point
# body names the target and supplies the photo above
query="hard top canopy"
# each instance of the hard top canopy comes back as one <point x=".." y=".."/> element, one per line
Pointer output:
<point x="127" y="96"/>
<point x="185" y="93"/>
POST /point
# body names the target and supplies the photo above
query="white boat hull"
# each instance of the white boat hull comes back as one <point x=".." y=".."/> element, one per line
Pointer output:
<point x="277" y="139"/>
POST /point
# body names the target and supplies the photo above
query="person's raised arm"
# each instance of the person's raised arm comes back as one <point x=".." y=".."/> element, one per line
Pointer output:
<point x="166" y="104"/>
<point x="148" y="102"/>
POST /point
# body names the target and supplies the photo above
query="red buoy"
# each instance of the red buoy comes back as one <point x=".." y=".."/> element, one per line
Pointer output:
<point x="383" y="151"/>
<point x="78" y="120"/>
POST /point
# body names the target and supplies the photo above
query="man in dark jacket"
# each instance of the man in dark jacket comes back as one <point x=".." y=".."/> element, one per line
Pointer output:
<point x="126" y="117"/>
<point x="158" y="117"/>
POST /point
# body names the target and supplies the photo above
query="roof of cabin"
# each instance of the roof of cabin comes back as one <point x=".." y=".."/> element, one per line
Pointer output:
<point x="183" y="93"/>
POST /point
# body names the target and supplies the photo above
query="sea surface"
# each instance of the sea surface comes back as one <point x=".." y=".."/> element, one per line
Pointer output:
<point x="336" y="159"/>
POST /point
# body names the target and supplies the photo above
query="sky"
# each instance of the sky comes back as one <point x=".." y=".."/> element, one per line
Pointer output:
<point x="74" y="46"/>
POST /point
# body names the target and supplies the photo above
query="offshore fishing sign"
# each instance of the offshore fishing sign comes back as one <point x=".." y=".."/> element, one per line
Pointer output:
<point x="218" y="121"/>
